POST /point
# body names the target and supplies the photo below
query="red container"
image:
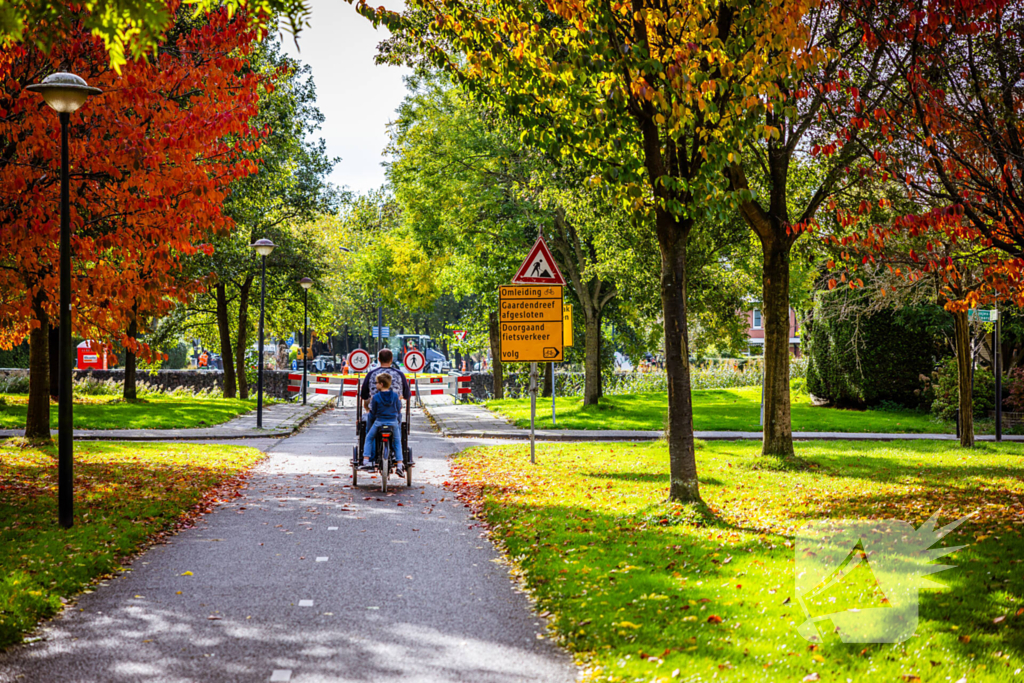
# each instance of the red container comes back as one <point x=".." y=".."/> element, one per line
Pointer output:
<point x="91" y="356"/>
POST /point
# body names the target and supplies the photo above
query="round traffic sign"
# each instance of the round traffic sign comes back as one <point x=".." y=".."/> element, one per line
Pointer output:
<point x="414" y="361"/>
<point x="359" y="360"/>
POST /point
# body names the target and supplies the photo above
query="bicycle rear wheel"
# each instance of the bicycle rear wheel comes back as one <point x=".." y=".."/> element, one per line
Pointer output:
<point x="385" y="465"/>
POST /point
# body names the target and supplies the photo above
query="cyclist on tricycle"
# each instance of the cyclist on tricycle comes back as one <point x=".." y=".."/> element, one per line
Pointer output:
<point x="383" y="438"/>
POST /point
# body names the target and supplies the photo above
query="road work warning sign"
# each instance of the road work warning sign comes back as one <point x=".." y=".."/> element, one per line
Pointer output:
<point x="531" y="320"/>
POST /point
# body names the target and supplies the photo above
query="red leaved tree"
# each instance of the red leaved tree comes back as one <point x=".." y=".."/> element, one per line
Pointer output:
<point x="151" y="159"/>
<point x="951" y="136"/>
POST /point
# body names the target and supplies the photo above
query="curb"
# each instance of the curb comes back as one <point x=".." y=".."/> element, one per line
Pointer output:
<point x="580" y="435"/>
<point x="252" y="434"/>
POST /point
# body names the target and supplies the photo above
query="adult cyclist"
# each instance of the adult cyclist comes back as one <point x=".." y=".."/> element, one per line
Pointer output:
<point x="398" y="382"/>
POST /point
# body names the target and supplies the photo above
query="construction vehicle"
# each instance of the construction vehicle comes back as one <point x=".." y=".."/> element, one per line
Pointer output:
<point x="436" y="361"/>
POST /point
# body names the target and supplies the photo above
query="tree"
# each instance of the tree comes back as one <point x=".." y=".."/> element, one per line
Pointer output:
<point x="163" y="130"/>
<point x="469" y="186"/>
<point x="130" y="29"/>
<point x="289" y="189"/>
<point x="788" y="187"/>
<point x="655" y="98"/>
<point x="950" y="135"/>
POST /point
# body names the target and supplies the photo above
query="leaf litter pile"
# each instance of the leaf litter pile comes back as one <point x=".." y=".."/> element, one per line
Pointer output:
<point x="127" y="496"/>
<point x="645" y="590"/>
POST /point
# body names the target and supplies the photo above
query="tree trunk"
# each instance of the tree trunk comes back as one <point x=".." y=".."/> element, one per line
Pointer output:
<point x="962" y="331"/>
<point x="592" y="358"/>
<point x="496" y="365"/>
<point x="683" y="486"/>
<point x="549" y="369"/>
<point x="53" y="342"/>
<point x="243" y="328"/>
<point x="130" y="392"/>
<point x="778" y="429"/>
<point x="37" y="423"/>
<point x="224" y="327"/>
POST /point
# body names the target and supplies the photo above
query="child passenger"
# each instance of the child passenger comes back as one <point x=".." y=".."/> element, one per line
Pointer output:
<point x="385" y="409"/>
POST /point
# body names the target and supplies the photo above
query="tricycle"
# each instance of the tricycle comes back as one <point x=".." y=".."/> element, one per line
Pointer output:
<point x="384" y="462"/>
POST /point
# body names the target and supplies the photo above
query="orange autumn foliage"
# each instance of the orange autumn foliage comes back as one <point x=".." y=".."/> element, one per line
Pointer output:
<point x="151" y="160"/>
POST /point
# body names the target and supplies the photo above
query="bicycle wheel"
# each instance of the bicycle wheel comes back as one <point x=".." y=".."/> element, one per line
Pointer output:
<point x="355" y="465"/>
<point x="385" y="466"/>
<point x="408" y="474"/>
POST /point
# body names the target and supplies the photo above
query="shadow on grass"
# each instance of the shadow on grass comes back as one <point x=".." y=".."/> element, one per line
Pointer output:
<point x="652" y="583"/>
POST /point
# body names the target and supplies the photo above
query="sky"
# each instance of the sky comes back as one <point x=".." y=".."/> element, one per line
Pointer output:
<point x="357" y="97"/>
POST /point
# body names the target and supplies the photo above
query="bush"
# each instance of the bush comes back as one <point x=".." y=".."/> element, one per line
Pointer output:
<point x="1016" y="386"/>
<point x="947" y="392"/>
<point x="877" y="358"/>
<point x="14" y="384"/>
<point x="87" y="386"/>
<point x="16" y="357"/>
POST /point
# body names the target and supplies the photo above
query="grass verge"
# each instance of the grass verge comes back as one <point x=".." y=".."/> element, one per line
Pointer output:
<point x="152" y="412"/>
<point x="126" y="496"/>
<point x="644" y="590"/>
<point x="734" y="410"/>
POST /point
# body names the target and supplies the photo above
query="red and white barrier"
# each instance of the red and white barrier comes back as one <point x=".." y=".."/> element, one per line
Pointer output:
<point x="452" y="385"/>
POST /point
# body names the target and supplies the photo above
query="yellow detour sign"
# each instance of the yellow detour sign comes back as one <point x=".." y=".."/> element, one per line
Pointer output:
<point x="530" y="318"/>
<point x="567" y="325"/>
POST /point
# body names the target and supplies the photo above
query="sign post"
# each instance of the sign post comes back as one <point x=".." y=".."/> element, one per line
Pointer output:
<point x="358" y="361"/>
<point x="414" y="362"/>
<point x="533" y="411"/>
<point x="531" y="319"/>
<point x="992" y="316"/>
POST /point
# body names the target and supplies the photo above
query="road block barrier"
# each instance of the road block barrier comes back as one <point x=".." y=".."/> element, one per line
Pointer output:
<point x="420" y="385"/>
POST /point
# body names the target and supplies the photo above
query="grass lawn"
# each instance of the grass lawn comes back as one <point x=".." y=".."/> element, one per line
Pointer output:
<point x="125" y="495"/>
<point x="645" y="590"/>
<point x="152" y="412"/>
<point x="735" y="410"/>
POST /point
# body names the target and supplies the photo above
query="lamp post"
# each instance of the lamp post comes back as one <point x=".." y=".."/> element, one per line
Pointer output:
<point x="64" y="93"/>
<point x="263" y="247"/>
<point x="306" y="284"/>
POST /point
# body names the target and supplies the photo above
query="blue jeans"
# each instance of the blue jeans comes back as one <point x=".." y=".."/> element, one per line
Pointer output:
<point x="370" y="446"/>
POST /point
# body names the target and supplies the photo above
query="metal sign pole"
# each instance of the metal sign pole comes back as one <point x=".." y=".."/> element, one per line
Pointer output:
<point x="553" y="424"/>
<point x="762" y="398"/>
<point x="997" y="365"/>
<point x="533" y="410"/>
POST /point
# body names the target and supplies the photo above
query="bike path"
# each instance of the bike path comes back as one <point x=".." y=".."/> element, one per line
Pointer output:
<point x="305" y="579"/>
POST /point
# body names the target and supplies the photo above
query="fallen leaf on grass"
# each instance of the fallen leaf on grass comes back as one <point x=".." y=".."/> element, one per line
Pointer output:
<point x="812" y="677"/>
<point x="998" y="620"/>
<point x="714" y="619"/>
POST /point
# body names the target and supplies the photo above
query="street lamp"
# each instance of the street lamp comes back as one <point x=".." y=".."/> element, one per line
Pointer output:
<point x="306" y="284"/>
<point x="263" y="247"/>
<point x="64" y="93"/>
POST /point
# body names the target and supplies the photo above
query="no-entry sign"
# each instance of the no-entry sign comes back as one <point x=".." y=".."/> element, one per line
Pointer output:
<point x="530" y="319"/>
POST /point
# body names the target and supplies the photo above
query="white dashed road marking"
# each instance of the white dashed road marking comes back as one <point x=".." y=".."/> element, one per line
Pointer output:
<point x="283" y="675"/>
<point x="305" y="603"/>
<point x="321" y="559"/>
<point x="332" y="528"/>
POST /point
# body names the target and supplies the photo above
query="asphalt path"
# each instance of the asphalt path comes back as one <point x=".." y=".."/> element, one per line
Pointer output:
<point x="306" y="578"/>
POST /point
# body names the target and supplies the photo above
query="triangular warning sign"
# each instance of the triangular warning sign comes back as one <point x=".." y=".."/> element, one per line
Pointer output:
<point x="539" y="267"/>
